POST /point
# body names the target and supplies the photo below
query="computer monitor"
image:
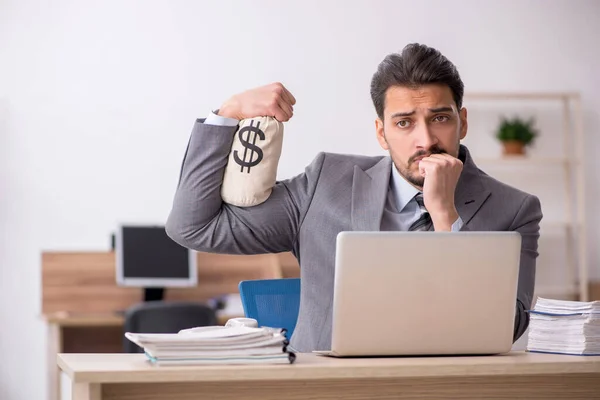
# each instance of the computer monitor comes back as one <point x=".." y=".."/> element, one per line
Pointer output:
<point x="146" y="257"/>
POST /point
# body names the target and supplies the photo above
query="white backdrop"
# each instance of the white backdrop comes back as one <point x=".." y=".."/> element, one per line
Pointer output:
<point x="97" y="100"/>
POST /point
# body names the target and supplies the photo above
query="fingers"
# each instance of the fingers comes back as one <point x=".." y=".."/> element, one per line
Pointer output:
<point x="284" y="93"/>
<point x="424" y="165"/>
<point x="433" y="162"/>
<point x="272" y="100"/>
<point x="289" y="96"/>
<point x="286" y="108"/>
<point x="444" y="156"/>
<point x="275" y="107"/>
<point x="277" y="113"/>
<point x="430" y="164"/>
<point x="443" y="159"/>
<point x="439" y="162"/>
<point x="440" y="157"/>
<point x="282" y="103"/>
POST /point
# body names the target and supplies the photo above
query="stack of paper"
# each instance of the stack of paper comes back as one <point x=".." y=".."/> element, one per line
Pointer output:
<point x="565" y="327"/>
<point x="215" y="345"/>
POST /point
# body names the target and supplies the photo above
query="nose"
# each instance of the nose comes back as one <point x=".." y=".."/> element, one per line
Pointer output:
<point x="425" y="139"/>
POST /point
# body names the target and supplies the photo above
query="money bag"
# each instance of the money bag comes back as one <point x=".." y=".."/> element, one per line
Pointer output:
<point x="251" y="169"/>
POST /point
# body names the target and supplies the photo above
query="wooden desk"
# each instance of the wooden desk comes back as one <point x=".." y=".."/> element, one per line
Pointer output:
<point x="80" y="294"/>
<point x="515" y="375"/>
<point x="85" y="333"/>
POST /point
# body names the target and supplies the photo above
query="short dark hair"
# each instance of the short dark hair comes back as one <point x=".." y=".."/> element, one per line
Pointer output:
<point x="417" y="65"/>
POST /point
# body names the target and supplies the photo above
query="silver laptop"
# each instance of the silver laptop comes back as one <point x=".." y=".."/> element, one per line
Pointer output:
<point x="424" y="293"/>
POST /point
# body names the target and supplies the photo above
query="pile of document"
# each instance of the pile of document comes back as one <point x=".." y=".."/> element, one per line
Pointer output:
<point x="565" y="327"/>
<point x="215" y="345"/>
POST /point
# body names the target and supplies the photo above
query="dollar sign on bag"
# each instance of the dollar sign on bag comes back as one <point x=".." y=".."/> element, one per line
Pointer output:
<point x="250" y="147"/>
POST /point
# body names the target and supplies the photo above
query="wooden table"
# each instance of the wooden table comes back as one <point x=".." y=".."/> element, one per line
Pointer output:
<point x="85" y="333"/>
<point x="514" y="375"/>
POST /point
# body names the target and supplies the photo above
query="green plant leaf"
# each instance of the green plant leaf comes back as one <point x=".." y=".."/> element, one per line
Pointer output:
<point x="517" y="129"/>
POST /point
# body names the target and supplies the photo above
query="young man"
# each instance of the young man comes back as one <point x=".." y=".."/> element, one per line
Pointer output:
<point x="429" y="182"/>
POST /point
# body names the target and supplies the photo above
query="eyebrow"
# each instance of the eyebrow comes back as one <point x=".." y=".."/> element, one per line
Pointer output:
<point x="431" y="110"/>
<point x="441" y="109"/>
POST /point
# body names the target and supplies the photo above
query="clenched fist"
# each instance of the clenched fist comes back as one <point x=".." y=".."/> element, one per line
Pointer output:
<point x="441" y="173"/>
<point x="272" y="100"/>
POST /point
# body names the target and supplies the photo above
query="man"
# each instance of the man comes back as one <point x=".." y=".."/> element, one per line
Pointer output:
<point x="429" y="182"/>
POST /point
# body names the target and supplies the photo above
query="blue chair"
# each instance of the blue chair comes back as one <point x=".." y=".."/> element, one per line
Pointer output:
<point x="272" y="302"/>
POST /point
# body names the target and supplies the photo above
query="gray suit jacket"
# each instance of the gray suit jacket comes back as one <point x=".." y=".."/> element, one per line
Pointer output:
<point x="304" y="214"/>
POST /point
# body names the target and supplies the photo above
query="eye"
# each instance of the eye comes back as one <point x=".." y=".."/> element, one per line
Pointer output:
<point x="441" y="118"/>
<point x="403" y="123"/>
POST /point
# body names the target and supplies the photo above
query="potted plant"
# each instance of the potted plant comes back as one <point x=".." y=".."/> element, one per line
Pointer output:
<point x="515" y="134"/>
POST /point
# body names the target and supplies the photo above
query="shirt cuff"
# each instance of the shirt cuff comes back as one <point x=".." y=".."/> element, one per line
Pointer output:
<point x="214" y="119"/>
<point x="457" y="225"/>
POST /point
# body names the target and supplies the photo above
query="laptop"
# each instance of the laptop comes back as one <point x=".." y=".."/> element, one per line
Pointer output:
<point x="424" y="293"/>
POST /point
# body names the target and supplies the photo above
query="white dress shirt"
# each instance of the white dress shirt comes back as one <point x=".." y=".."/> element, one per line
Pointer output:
<point x="214" y="119"/>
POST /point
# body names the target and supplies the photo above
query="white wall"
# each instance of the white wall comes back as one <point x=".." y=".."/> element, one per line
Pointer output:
<point x="97" y="100"/>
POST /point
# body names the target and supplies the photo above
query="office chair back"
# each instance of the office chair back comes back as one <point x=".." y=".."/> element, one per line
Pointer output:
<point x="272" y="302"/>
<point x="165" y="317"/>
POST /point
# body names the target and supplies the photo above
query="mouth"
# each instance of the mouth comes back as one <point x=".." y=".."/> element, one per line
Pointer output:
<point x="418" y="159"/>
<point x="423" y="153"/>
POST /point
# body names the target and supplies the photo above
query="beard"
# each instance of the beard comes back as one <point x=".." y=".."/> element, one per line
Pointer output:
<point x="415" y="178"/>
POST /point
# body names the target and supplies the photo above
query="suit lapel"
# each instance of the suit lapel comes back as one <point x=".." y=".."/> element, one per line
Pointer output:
<point x="369" y="191"/>
<point x="470" y="193"/>
<point x="370" y="188"/>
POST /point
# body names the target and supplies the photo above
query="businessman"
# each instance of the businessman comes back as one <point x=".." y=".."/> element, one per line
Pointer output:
<point x="428" y="182"/>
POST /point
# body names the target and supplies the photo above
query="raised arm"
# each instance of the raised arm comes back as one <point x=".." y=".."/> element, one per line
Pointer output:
<point x="201" y="221"/>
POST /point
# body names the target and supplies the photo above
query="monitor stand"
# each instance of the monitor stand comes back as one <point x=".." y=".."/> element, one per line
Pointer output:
<point x="154" y="294"/>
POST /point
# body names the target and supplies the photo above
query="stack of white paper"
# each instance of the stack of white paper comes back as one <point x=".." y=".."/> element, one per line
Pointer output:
<point x="565" y="327"/>
<point x="215" y="345"/>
